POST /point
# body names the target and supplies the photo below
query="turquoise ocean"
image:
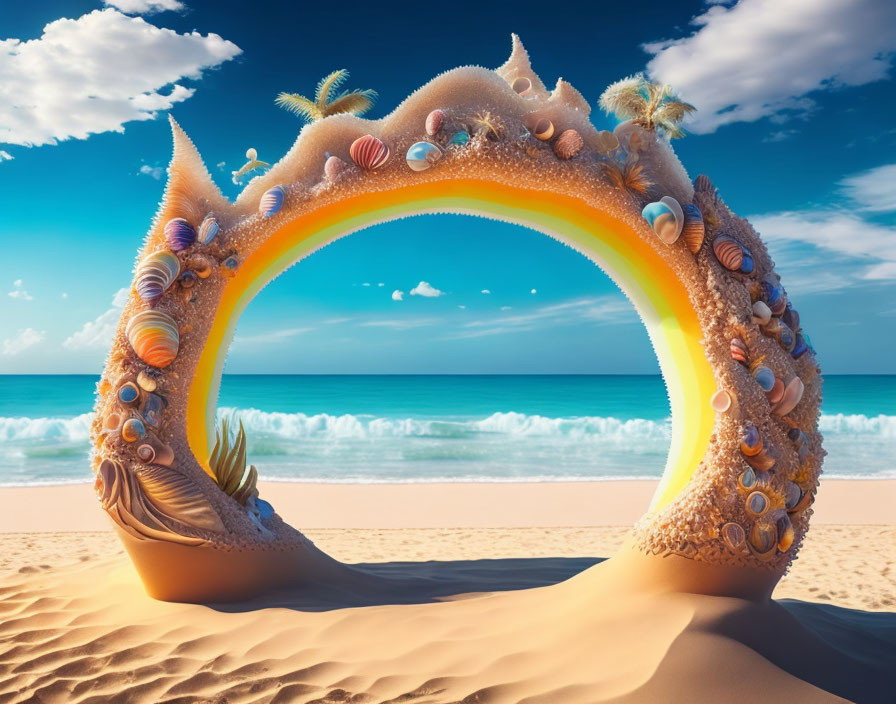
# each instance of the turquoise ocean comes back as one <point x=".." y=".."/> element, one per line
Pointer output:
<point x="435" y="428"/>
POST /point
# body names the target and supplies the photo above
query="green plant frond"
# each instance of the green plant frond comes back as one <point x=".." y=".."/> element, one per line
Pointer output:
<point x="228" y="464"/>
<point x="327" y="85"/>
<point x="300" y="105"/>
<point x="355" y="102"/>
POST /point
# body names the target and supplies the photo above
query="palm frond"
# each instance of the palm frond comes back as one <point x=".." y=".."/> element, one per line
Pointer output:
<point x="625" y="98"/>
<point x="228" y="464"/>
<point x="326" y="86"/>
<point x="356" y="102"/>
<point x="673" y="110"/>
<point x="300" y="105"/>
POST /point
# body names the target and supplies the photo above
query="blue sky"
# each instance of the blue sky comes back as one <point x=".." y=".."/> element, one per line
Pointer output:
<point x="795" y="126"/>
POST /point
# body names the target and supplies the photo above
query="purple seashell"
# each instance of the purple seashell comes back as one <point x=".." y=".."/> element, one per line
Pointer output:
<point x="179" y="234"/>
<point x="791" y="317"/>
<point x="271" y="201"/>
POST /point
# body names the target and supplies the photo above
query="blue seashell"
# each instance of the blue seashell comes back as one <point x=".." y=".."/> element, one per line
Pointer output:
<point x="207" y="230"/>
<point x="272" y="201"/>
<point x="800" y="347"/>
<point x="422" y="155"/>
<point x="765" y="377"/>
<point x="459" y="139"/>
<point x="179" y="234"/>
<point x="265" y="510"/>
<point x="152" y="409"/>
<point x="791" y="317"/>
<point x="746" y="266"/>
<point x="666" y="218"/>
<point x="128" y="393"/>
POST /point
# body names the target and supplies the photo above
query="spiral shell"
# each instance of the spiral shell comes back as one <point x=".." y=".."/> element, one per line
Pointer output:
<point x="422" y="155"/>
<point x="153" y="336"/>
<point x="179" y="234"/>
<point x="694" y="229"/>
<point x="155" y="274"/>
<point x="728" y="251"/>
<point x="568" y="144"/>
<point x="666" y="218"/>
<point x="271" y="201"/>
<point x="368" y="152"/>
<point x="543" y="130"/>
<point x="522" y="85"/>
<point x="153" y="451"/>
<point x="434" y="122"/>
<point x="739" y="350"/>
<point x="207" y="230"/>
<point x="333" y="167"/>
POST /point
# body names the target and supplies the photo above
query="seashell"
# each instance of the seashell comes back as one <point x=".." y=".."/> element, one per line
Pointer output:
<point x="739" y="350"/>
<point x="746" y="266"/>
<point x="734" y="536"/>
<point x="459" y="139"/>
<point x="265" y="510"/>
<point x="607" y="141"/>
<point x="201" y="265"/>
<point x="146" y="382"/>
<point x="179" y="234"/>
<point x="368" y="152"/>
<point x="799" y="347"/>
<point x="543" y="130"/>
<point x="422" y="155"/>
<point x="764" y="376"/>
<point x="271" y="201"/>
<point x="785" y="336"/>
<point x="154" y="337"/>
<point x="207" y="230"/>
<point x="334" y="166"/>
<point x="188" y="279"/>
<point x="128" y="393"/>
<point x="777" y="392"/>
<point x="784" y="529"/>
<point x="793" y="394"/>
<point x="177" y="497"/>
<point x="791" y="318"/>
<point x="694" y="229"/>
<point x="757" y="504"/>
<point x="762" y="314"/>
<point x="764" y="538"/>
<point x="761" y="462"/>
<point x="152" y="409"/>
<point x="774" y="296"/>
<point x="792" y="495"/>
<point x="720" y="401"/>
<point x="434" y="122"/>
<point x="522" y="85"/>
<point x="704" y="185"/>
<point x="568" y="144"/>
<point x="751" y="443"/>
<point x="747" y="479"/>
<point x="666" y="218"/>
<point x="152" y="451"/>
<point x="155" y="274"/>
<point x="231" y="264"/>
<point x="133" y="430"/>
<point x="111" y="422"/>
<point x="728" y="251"/>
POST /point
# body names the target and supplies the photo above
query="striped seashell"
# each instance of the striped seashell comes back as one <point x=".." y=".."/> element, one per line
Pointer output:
<point x="739" y="350"/>
<point x="422" y="155"/>
<point x="666" y="218"/>
<point x="568" y="144"/>
<point x="704" y="185"/>
<point x="155" y="275"/>
<point x="179" y="234"/>
<point x="728" y="251"/>
<point x="793" y="394"/>
<point x="368" y="152"/>
<point x="175" y="496"/>
<point x="434" y="122"/>
<point x="522" y="85"/>
<point x="154" y="337"/>
<point x="543" y="130"/>
<point x="207" y="230"/>
<point x="694" y="229"/>
<point x="774" y="296"/>
<point x="271" y="201"/>
<point x="333" y="167"/>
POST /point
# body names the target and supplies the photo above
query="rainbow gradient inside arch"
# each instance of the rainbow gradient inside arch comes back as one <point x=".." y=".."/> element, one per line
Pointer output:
<point x="660" y="298"/>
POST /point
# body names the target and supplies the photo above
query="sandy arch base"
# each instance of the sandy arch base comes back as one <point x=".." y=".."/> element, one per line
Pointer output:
<point x="734" y="502"/>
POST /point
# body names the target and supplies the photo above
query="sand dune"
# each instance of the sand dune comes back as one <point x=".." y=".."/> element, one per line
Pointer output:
<point x="77" y="627"/>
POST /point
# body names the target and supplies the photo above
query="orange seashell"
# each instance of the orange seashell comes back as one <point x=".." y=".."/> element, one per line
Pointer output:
<point x="739" y="351"/>
<point x="434" y="122"/>
<point x="543" y="130"/>
<point x="522" y="85"/>
<point x="568" y="144"/>
<point x="777" y="392"/>
<point x="694" y="230"/>
<point x="368" y="152"/>
<point x="729" y="252"/>
<point x="793" y="394"/>
<point x="154" y="337"/>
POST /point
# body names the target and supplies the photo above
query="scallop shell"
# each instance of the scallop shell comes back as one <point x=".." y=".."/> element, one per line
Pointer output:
<point x="434" y="122"/>
<point x="179" y="234"/>
<point x="568" y="144"/>
<point x="704" y="185"/>
<point x="728" y="251"/>
<point x="154" y="337"/>
<point x="271" y="201"/>
<point x="739" y="350"/>
<point x="734" y="536"/>
<point x="666" y="218"/>
<point x="522" y="85"/>
<point x="793" y="394"/>
<point x="756" y="504"/>
<point x="459" y="139"/>
<point x="720" y="401"/>
<point x="133" y="430"/>
<point x="694" y="229"/>
<point x="762" y="314"/>
<point x="422" y="155"/>
<point x="155" y="274"/>
<point x="207" y="230"/>
<point x="334" y="166"/>
<point x="543" y="130"/>
<point x="177" y="497"/>
<point x="368" y="152"/>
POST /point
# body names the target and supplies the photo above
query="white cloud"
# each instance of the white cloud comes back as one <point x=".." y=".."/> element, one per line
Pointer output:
<point x="144" y="7"/>
<point x="221" y="165"/>
<point x="506" y="307"/>
<point x="95" y="73"/>
<point x="21" y="342"/>
<point x="397" y="295"/>
<point x="366" y="284"/>
<point x="154" y="171"/>
<point x="18" y="291"/>
<point x="98" y="333"/>
<point x="273" y="337"/>
<point x="405" y="324"/>
<point x="873" y="190"/>
<point x="426" y="290"/>
<point x="5" y="155"/>
<point x="533" y="291"/>
<point x="381" y="284"/>
<point x="763" y="58"/>
<point x="485" y="291"/>
<point x="64" y="296"/>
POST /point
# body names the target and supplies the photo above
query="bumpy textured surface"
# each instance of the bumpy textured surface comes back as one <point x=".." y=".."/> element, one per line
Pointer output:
<point x="746" y="503"/>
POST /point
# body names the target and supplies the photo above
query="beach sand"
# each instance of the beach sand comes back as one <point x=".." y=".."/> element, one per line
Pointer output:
<point x="536" y="621"/>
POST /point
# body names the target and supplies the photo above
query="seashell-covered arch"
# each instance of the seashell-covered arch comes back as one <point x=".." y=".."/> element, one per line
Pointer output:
<point x="744" y="388"/>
